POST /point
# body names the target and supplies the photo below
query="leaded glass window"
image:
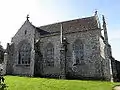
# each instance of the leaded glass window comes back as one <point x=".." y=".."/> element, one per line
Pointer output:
<point x="78" y="51"/>
<point x="49" y="54"/>
<point x="24" y="54"/>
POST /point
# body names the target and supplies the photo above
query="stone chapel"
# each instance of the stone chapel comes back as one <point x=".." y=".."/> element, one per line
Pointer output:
<point x="69" y="49"/>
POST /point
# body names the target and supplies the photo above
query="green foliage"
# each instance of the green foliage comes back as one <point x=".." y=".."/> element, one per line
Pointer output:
<point x="27" y="83"/>
<point x="3" y="86"/>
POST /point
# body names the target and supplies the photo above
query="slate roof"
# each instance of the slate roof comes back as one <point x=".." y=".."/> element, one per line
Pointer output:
<point x="42" y="32"/>
<point x="82" y="24"/>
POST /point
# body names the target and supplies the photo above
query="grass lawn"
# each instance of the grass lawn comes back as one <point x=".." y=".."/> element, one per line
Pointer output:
<point x="27" y="83"/>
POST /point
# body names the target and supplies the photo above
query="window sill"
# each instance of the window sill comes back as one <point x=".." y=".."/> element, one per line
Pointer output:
<point x="23" y="65"/>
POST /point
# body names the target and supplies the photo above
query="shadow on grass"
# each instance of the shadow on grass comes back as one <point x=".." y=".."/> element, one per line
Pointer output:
<point x="3" y="86"/>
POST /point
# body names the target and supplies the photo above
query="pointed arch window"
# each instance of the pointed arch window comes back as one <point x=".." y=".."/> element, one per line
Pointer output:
<point x="49" y="54"/>
<point x="24" y="54"/>
<point x="78" y="51"/>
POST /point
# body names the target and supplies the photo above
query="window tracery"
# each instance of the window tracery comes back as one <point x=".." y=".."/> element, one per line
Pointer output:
<point x="78" y="51"/>
<point x="49" y="54"/>
<point x="24" y="54"/>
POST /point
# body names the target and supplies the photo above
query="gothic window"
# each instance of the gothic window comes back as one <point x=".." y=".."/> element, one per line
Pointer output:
<point x="78" y="51"/>
<point x="24" y="54"/>
<point x="50" y="55"/>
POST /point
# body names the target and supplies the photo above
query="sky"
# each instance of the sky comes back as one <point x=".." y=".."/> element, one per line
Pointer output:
<point x="13" y="14"/>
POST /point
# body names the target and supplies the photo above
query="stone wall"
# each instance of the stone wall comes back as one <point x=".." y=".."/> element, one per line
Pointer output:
<point x="48" y="70"/>
<point x="25" y="34"/>
<point x="9" y="58"/>
<point x="91" y="66"/>
<point x="104" y="60"/>
<point x="117" y="66"/>
<point x="1" y="54"/>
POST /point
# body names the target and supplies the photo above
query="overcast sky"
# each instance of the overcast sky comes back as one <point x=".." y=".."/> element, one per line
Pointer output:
<point x="13" y="14"/>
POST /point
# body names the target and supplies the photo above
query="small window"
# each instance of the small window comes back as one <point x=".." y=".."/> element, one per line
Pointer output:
<point x="25" y="32"/>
